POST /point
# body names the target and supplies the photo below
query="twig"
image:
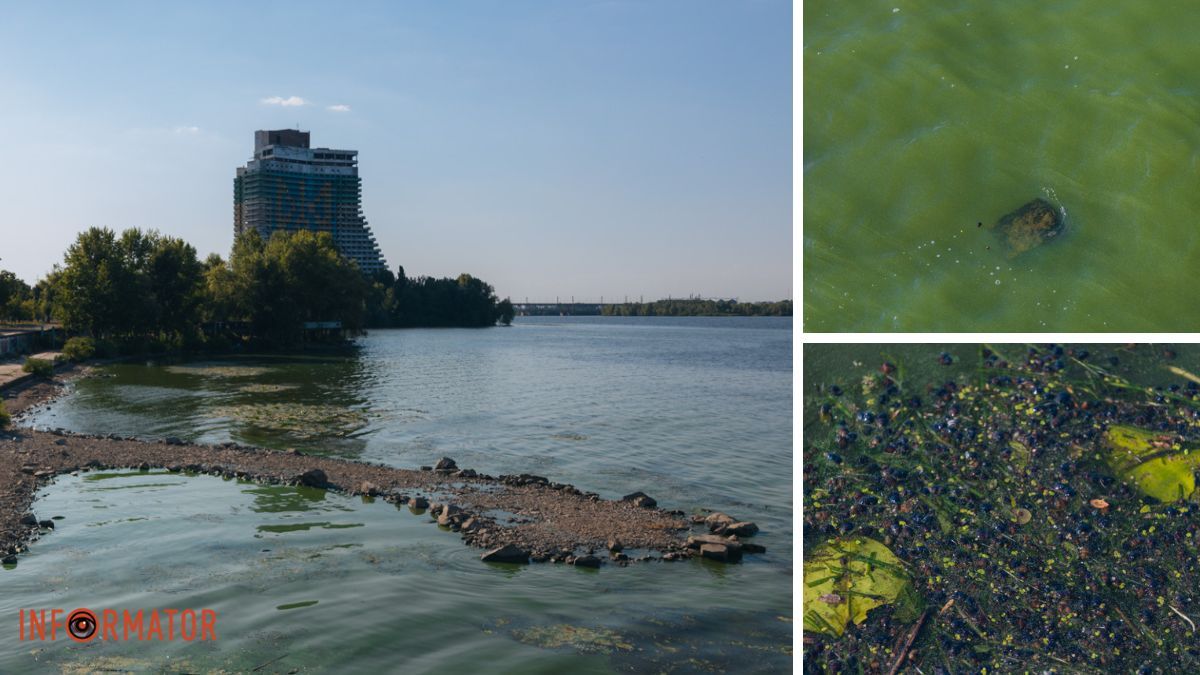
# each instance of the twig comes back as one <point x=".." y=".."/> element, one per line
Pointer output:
<point x="1185" y="617"/>
<point x="264" y="665"/>
<point x="912" y="635"/>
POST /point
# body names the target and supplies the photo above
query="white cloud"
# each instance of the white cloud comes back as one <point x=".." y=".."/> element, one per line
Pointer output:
<point x="189" y="131"/>
<point x="341" y="107"/>
<point x="286" y="102"/>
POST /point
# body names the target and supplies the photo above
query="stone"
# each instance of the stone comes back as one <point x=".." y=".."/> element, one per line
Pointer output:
<point x="640" y="499"/>
<point x="740" y="529"/>
<point x="9" y="560"/>
<point x="717" y="519"/>
<point x="753" y="548"/>
<point x="586" y="561"/>
<point x="46" y="524"/>
<point x="445" y="464"/>
<point x="615" y="545"/>
<point x="451" y="514"/>
<point x="721" y="552"/>
<point x="466" y="473"/>
<point x="313" y="478"/>
<point x="144" y="466"/>
<point x="471" y="524"/>
<point x="418" y="502"/>
<point x="29" y="519"/>
<point x="508" y="553"/>
<point x="173" y="440"/>
<point x="1030" y="226"/>
<point x="368" y="488"/>
<point x="60" y="441"/>
<point x="696" y="541"/>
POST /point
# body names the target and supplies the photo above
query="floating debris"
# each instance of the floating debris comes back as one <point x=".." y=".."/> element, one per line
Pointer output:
<point x="1154" y="463"/>
<point x="861" y="570"/>
<point x="299" y="419"/>
<point x="580" y="638"/>
<point x="217" y="370"/>
<point x="266" y="388"/>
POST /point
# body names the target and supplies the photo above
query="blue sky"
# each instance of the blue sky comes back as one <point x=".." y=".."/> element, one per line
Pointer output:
<point x="552" y="148"/>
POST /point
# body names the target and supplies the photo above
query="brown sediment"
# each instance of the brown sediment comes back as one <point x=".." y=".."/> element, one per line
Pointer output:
<point x="548" y="521"/>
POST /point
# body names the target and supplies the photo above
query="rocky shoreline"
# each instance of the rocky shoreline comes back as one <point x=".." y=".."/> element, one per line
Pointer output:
<point x="514" y="518"/>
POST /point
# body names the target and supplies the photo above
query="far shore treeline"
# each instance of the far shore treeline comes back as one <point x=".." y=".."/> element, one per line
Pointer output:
<point x="699" y="307"/>
<point x="143" y="291"/>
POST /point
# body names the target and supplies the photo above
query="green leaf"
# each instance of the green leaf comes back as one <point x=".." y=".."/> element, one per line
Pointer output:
<point x="860" y="574"/>
<point x="1152" y="463"/>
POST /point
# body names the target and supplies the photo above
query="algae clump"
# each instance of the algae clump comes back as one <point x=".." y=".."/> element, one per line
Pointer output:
<point x="1152" y="462"/>
<point x="846" y="578"/>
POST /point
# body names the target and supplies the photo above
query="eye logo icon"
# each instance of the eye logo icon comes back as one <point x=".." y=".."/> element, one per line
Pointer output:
<point x="81" y="624"/>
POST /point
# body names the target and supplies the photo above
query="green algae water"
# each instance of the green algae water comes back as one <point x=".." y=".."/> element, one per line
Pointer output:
<point x="696" y="412"/>
<point x="923" y="120"/>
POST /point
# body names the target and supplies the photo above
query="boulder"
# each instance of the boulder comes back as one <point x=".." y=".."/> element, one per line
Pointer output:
<point x="640" y="499"/>
<point x="445" y="464"/>
<point x="753" y="548"/>
<point x="9" y="560"/>
<point x="725" y="553"/>
<point x="313" y="478"/>
<point x="740" y="529"/>
<point x="696" y="541"/>
<point x="46" y="524"/>
<point x="418" y="502"/>
<point x="586" y="561"/>
<point x="368" y="488"/>
<point x="466" y="473"/>
<point x="716" y="520"/>
<point x="615" y="545"/>
<point x="508" y="553"/>
<point x="29" y="519"/>
<point x="451" y="514"/>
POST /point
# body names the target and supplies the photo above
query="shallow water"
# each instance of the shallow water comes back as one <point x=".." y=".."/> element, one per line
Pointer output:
<point x="695" y="412"/>
<point x="923" y="122"/>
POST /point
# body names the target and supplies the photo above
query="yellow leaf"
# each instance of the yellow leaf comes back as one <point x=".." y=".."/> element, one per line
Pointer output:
<point x="862" y="572"/>
<point x="1151" y="463"/>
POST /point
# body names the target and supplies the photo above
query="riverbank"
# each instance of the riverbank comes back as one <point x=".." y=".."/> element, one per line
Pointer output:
<point x="515" y="518"/>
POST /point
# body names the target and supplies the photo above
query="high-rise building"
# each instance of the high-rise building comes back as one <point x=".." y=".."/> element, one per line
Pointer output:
<point x="287" y="185"/>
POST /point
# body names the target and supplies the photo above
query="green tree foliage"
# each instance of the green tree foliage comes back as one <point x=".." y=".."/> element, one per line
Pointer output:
<point x="142" y="290"/>
<point x="699" y="307"/>
<point x="16" y="298"/>
<point x="505" y="309"/>
<point x="79" y="348"/>
<point x="141" y="284"/>
<point x="274" y="287"/>
<point x="465" y="302"/>
<point x="39" y="367"/>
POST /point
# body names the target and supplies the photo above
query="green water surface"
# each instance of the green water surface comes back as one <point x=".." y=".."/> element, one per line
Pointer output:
<point x="924" y="119"/>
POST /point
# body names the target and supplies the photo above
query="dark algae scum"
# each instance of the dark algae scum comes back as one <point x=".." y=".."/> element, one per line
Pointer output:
<point x="1012" y="508"/>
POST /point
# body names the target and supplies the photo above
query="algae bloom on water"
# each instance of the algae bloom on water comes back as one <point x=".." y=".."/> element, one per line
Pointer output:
<point x="1040" y="500"/>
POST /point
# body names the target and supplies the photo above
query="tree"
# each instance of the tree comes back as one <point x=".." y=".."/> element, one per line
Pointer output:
<point x="506" y="312"/>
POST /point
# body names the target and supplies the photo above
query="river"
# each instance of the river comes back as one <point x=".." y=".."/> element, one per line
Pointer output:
<point x="694" y="411"/>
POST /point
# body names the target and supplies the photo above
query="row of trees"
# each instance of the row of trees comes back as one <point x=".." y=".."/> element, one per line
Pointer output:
<point x="699" y="307"/>
<point x="143" y="286"/>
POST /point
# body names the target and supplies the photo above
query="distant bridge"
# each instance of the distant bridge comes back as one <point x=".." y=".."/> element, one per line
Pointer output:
<point x="557" y="308"/>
